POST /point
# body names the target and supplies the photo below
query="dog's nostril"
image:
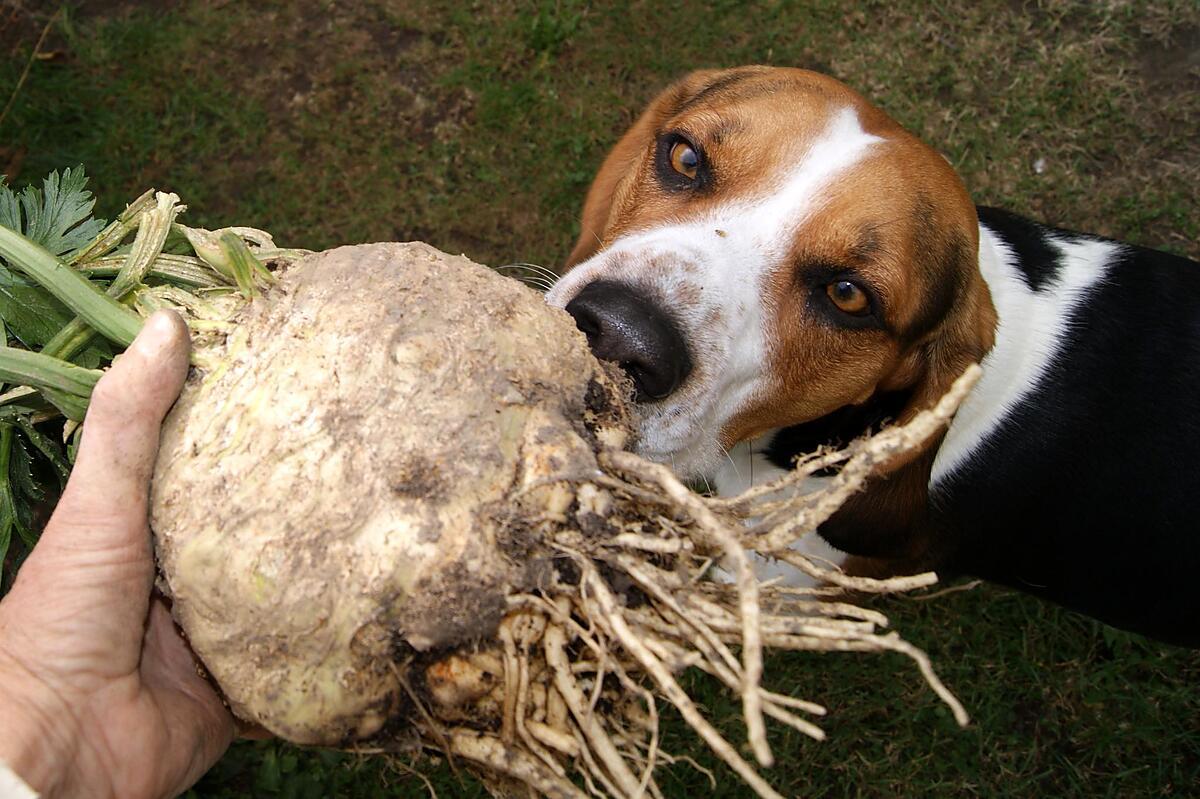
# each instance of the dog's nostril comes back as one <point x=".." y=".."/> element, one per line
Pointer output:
<point x="624" y="326"/>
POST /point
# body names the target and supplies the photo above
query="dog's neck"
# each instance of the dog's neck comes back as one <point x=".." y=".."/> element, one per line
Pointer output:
<point x="1037" y="277"/>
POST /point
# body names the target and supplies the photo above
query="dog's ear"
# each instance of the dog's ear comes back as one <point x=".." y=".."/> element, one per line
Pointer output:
<point x="619" y="172"/>
<point x="956" y="321"/>
<point x="965" y="338"/>
<point x="889" y="519"/>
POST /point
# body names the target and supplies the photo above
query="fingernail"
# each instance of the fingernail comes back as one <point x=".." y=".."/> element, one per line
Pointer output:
<point x="159" y="332"/>
<point x="164" y="323"/>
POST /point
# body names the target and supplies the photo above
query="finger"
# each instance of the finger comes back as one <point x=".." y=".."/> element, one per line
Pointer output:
<point x="199" y="727"/>
<point x="104" y="504"/>
<point x="252" y="732"/>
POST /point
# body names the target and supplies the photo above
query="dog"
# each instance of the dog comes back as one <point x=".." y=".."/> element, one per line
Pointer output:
<point x="778" y="265"/>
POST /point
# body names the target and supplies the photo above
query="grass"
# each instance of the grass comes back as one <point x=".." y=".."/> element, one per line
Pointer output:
<point x="477" y="128"/>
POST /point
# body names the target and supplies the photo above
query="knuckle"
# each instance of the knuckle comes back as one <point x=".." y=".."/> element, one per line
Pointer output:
<point x="106" y="397"/>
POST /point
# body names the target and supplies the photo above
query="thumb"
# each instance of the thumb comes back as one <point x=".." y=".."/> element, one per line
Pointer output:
<point x="108" y="491"/>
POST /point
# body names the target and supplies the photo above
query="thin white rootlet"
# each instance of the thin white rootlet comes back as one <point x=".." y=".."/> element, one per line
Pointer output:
<point x="746" y="466"/>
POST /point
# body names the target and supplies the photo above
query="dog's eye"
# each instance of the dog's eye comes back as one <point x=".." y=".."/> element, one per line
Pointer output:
<point x="849" y="298"/>
<point x="684" y="160"/>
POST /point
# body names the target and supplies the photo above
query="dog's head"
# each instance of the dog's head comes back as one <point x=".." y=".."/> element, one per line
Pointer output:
<point x="763" y="248"/>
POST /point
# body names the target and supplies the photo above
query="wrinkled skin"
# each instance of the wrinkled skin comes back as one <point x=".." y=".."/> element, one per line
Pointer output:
<point x="101" y="696"/>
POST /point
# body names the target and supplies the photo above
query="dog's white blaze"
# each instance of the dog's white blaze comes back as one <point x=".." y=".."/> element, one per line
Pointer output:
<point x="709" y="271"/>
<point x="1031" y="330"/>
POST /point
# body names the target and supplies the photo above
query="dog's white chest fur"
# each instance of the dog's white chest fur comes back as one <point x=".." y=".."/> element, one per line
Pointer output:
<point x="746" y="466"/>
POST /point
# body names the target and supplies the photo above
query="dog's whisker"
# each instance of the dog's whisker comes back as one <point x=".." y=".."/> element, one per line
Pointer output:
<point x="545" y="272"/>
<point x="729" y="457"/>
<point x="533" y="275"/>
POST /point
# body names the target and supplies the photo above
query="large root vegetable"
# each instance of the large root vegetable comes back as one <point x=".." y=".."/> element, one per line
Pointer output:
<point x="392" y="508"/>
<point x="383" y="433"/>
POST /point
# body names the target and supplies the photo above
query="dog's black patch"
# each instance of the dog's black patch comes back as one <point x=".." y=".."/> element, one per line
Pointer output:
<point x="836" y="429"/>
<point x="1085" y="493"/>
<point x="1038" y="260"/>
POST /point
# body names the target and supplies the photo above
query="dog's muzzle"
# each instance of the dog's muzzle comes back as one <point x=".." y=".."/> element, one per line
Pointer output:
<point x="624" y="326"/>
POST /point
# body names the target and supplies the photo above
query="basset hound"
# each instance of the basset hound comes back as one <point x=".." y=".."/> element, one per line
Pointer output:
<point x="777" y="264"/>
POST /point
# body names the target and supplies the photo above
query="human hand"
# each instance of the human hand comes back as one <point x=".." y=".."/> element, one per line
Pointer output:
<point x="100" y="693"/>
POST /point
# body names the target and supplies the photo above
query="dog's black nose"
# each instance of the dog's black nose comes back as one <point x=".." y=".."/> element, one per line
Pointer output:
<point x="623" y="326"/>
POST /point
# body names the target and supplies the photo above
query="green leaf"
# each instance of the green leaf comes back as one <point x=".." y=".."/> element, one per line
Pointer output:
<point x="57" y="216"/>
<point x="6" y="528"/>
<point x="30" y="312"/>
<point x="73" y="444"/>
<point x="10" y="209"/>
<point x="98" y="354"/>
<point x="34" y="317"/>
<point x="18" y="492"/>
<point x="49" y="448"/>
<point x="16" y="487"/>
<point x="8" y="511"/>
<point x="268" y="779"/>
<point x="20" y="472"/>
<point x="7" y="522"/>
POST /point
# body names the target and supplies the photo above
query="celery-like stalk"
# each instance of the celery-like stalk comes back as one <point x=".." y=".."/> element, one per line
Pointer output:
<point x="41" y="371"/>
<point x="116" y="231"/>
<point x="184" y="270"/>
<point x="147" y="246"/>
<point x="106" y="315"/>
<point x="242" y="262"/>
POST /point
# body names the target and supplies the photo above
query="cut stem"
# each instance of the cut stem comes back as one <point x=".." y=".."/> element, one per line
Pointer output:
<point x="116" y="231"/>
<point x="184" y="270"/>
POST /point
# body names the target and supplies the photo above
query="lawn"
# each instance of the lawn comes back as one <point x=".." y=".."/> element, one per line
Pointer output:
<point x="477" y="127"/>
